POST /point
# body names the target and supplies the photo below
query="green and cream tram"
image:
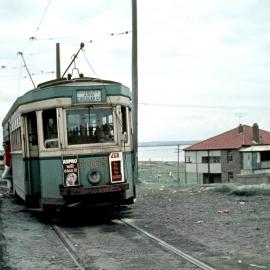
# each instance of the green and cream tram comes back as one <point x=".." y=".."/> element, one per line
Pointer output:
<point x="71" y="142"/>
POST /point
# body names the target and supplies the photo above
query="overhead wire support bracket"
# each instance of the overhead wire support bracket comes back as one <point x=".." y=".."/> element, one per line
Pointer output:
<point x="74" y="58"/>
<point x="21" y="54"/>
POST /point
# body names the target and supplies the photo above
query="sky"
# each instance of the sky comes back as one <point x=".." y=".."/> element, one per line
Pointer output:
<point x="203" y="66"/>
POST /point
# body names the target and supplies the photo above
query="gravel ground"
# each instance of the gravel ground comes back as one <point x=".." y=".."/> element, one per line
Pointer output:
<point x="226" y="231"/>
<point x="27" y="243"/>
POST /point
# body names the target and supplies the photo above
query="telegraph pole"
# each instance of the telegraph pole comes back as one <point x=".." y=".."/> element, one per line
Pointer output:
<point x="178" y="169"/>
<point x="135" y="86"/>
<point x="58" y="65"/>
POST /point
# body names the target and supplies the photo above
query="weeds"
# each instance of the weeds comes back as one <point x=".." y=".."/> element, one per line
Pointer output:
<point x="247" y="190"/>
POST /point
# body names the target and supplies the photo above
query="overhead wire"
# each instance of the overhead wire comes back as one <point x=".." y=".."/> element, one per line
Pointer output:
<point x="206" y="107"/>
<point x="36" y="39"/>
<point x="42" y="17"/>
<point x="32" y="38"/>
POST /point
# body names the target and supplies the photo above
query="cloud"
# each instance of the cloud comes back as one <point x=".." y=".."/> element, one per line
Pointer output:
<point x="208" y="53"/>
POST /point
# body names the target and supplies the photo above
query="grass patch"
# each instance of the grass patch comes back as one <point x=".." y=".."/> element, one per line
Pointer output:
<point x="161" y="173"/>
<point x="246" y="190"/>
<point x="224" y="188"/>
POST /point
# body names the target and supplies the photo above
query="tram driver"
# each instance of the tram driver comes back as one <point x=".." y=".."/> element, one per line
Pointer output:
<point x="50" y="129"/>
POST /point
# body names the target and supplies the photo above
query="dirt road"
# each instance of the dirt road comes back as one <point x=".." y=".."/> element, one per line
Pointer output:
<point x="228" y="232"/>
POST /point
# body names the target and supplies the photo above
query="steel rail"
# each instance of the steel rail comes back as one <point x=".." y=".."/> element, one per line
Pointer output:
<point x="69" y="247"/>
<point x="169" y="247"/>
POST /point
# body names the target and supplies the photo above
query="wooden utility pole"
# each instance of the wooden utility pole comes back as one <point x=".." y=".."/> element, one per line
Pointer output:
<point x="135" y="86"/>
<point x="178" y="169"/>
<point x="58" y="65"/>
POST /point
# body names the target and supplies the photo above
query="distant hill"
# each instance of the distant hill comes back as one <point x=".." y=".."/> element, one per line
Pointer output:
<point x="165" y="143"/>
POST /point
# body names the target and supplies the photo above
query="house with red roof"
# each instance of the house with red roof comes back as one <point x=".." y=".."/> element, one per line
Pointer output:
<point x="219" y="159"/>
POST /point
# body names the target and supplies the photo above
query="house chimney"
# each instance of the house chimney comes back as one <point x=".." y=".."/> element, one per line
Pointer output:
<point x="240" y="129"/>
<point x="255" y="131"/>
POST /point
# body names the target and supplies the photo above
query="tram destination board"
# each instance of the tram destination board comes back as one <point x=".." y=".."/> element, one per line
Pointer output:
<point x="93" y="95"/>
<point x="116" y="167"/>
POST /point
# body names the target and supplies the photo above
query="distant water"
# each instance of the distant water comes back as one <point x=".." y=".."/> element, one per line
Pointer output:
<point x="160" y="153"/>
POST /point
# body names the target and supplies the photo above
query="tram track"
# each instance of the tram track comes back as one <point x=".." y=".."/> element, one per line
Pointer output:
<point x="69" y="247"/>
<point x="72" y="251"/>
<point x="169" y="247"/>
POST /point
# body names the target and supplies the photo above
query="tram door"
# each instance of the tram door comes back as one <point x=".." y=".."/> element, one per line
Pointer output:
<point x="32" y="160"/>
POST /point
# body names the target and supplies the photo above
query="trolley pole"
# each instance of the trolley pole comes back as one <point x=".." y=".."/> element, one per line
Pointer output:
<point x="135" y="86"/>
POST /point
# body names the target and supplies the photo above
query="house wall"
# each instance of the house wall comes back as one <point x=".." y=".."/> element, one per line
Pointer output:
<point x="196" y="166"/>
<point x="196" y="161"/>
<point x="227" y="169"/>
<point x="233" y="166"/>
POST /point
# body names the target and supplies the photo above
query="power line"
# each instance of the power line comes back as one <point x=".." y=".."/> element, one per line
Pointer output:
<point x="43" y="16"/>
<point x="35" y="39"/>
<point x="212" y="107"/>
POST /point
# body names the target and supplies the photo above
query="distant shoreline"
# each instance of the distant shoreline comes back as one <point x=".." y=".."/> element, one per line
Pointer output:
<point x="165" y="143"/>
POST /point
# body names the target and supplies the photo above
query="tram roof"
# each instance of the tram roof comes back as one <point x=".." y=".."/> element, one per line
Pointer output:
<point x="65" y="88"/>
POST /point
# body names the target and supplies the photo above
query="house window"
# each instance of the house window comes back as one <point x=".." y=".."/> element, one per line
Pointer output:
<point x="205" y="159"/>
<point x="230" y="177"/>
<point x="265" y="156"/>
<point x="214" y="159"/>
<point x="188" y="159"/>
<point x="229" y="156"/>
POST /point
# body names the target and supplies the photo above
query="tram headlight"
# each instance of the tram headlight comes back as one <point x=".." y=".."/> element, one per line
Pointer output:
<point x="94" y="176"/>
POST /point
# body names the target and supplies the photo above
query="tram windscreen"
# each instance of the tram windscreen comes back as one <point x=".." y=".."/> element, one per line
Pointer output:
<point x="90" y="126"/>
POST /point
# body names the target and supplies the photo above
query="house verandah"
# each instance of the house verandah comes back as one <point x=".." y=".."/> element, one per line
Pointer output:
<point x="255" y="165"/>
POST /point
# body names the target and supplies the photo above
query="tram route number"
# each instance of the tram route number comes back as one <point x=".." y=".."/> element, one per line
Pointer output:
<point x="115" y="155"/>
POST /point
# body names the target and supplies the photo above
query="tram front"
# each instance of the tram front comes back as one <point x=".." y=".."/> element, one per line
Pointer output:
<point x="86" y="152"/>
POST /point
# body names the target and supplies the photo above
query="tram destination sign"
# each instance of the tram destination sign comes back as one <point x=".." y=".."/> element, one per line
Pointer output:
<point x="89" y="95"/>
<point x="116" y="167"/>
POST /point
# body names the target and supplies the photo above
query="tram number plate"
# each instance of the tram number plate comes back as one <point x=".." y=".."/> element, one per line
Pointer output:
<point x="88" y="96"/>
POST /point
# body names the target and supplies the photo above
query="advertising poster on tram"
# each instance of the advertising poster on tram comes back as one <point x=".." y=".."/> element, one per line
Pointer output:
<point x="71" y="171"/>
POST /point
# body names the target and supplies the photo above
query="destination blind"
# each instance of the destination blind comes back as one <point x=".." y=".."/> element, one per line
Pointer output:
<point x="87" y="96"/>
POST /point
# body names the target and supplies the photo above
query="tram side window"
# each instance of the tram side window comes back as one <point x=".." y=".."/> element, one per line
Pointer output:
<point x="90" y="126"/>
<point x="16" y="139"/>
<point x="32" y="129"/>
<point x="50" y="128"/>
<point x="124" y="124"/>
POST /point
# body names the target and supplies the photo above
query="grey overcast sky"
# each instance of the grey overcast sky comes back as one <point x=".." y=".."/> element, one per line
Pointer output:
<point x="204" y="66"/>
